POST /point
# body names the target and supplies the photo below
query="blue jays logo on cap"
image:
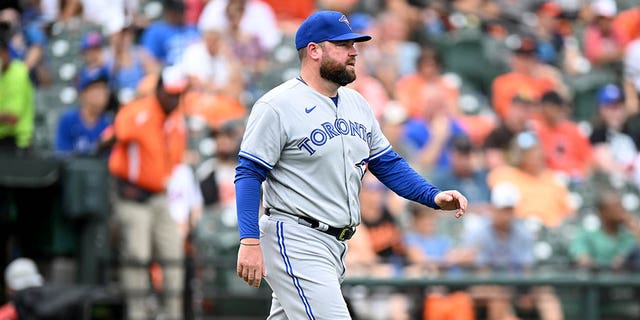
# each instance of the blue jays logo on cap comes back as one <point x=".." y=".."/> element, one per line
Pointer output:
<point x="326" y="26"/>
<point x="345" y="20"/>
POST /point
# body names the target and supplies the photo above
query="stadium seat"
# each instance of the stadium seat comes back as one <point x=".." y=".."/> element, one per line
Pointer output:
<point x="464" y="54"/>
<point x="551" y="248"/>
<point x="584" y="89"/>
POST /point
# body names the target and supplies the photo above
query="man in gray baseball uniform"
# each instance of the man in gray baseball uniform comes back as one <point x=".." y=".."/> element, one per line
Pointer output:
<point x="310" y="140"/>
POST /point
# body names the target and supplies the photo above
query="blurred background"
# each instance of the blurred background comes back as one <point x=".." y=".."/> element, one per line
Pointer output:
<point x="529" y="108"/>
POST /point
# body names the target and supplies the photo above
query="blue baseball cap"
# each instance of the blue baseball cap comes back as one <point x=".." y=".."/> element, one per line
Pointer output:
<point x="92" y="39"/>
<point x="326" y="26"/>
<point x="88" y="77"/>
<point x="610" y="94"/>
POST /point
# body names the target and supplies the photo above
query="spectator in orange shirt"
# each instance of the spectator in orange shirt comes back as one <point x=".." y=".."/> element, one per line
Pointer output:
<point x="416" y="90"/>
<point x="566" y="148"/>
<point x="542" y="195"/>
<point x="290" y="13"/>
<point x="214" y="109"/>
<point x="527" y="76"/>
<point x="150" y="142"/>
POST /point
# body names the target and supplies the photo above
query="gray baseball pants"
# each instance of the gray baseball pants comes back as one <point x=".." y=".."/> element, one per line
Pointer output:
<point x="304" y="268"/>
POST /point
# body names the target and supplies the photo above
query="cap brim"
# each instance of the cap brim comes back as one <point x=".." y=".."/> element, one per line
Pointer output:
<point x="609" y="102"/>
<point x="92" y="82"/>
<point x="357" y="37"/>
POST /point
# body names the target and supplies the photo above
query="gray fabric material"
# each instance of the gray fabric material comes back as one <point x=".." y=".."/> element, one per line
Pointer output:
<point x="317" y="153"/>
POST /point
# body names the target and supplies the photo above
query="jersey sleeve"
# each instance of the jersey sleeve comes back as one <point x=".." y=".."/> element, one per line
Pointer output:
<point x="264" y="137"/>
<point x="379" y="143"/>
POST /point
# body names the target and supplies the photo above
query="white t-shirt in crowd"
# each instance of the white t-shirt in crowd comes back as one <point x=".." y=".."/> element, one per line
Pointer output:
<point x="258" y="19"/>
<point x="183" y="193"/>
<point x="197" y="62"/>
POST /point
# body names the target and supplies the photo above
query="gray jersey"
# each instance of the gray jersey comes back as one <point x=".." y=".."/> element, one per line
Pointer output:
<point x="317" y="153"/>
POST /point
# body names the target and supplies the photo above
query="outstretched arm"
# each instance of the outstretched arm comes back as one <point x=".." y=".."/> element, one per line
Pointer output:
<point x="394" y="172"/>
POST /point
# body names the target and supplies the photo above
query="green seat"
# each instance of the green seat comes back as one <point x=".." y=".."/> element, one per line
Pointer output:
<point x="465" y="55"/>
<point x="556" y="241"/>
<point x="585" y="88"/>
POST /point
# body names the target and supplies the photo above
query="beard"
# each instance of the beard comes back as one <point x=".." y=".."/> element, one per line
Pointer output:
<point x="336" y="72"/>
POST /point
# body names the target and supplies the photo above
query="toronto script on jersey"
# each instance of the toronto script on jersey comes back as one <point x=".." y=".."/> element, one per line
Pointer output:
<point x="327" y="130"/>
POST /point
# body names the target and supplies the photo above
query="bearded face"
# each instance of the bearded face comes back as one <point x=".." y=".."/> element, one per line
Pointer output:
<point x="337" y="72"/>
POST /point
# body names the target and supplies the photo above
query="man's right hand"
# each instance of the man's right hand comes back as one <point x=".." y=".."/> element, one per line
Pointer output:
<point x="250" y="263"/>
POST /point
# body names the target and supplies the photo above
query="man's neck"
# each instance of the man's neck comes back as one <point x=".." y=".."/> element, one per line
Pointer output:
<point x="316" y="82"/>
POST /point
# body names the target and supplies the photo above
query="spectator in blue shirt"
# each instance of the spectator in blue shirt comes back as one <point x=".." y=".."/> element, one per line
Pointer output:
<point x="465" y="174"/>
<point x="79" y="129"/>
<point x="504" y="243"/>
<point x="431" y="137"/>
<point x="428" y="249"/>
<point x="165" y="40"/>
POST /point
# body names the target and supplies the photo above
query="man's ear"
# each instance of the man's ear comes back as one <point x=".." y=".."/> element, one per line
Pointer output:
<point x="314" y="51"/>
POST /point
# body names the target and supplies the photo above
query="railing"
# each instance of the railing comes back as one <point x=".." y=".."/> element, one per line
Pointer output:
<point x="40" y="173"/>
<point x="590" y="284"/>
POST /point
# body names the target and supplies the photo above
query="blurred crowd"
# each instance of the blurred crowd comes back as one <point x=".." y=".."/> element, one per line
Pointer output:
<point x="530" y="108"/>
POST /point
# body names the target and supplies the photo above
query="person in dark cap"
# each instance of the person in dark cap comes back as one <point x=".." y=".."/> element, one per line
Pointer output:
<point x="615" y="153"/>
<point x="79" y="128"/>
<point x="150" y="142"/>
<point x="527" y="74"/>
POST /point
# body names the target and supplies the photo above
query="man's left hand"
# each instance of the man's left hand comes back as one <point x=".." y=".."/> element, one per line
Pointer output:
<point x="452" y="200"/>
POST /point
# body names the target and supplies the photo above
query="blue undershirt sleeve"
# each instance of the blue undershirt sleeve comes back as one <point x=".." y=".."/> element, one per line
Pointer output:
<point x="395" y="173"/>
<point x="249" y="178"/>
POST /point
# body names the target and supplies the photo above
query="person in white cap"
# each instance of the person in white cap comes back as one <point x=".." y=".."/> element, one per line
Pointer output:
<point x="505" y="244"/>
<point x="20" y="274"/>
